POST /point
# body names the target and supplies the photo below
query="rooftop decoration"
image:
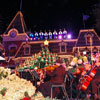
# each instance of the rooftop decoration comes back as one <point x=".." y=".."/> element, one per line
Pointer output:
<point x="46" y="43"/>
<point x="69" y="36"/>
<point x="50" y="35"/>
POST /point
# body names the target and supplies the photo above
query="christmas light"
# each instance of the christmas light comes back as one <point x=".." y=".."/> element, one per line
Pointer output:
<point x="60" y="32"/>
<point x="26" y="39"/>
<point x="55" y="34"/>
<point x="31" y="35"/>
<point x="69" y="36"/>
<point x="41" y="35"/>
<point x="36" y="36"/>
<point x="64" y="33"/>
<point x="50" y="35"/>
<point x="46" y="43"/>
<point x="60" y="37"/>
<point x="46" y="35"/>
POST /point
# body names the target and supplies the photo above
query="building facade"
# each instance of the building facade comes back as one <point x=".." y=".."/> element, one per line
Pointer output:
<point x="18" y="42"/>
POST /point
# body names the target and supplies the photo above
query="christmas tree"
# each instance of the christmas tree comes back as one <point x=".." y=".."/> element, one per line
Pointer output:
<point x="40" y="60"/>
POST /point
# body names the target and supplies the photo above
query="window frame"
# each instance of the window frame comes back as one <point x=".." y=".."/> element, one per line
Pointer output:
<point x="63" y="44"/>
<point x="90" y="35"/>
<point x="27" y="46"/>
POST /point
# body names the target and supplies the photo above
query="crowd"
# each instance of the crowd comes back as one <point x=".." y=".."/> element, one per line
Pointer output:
<point x="83" y="70"/>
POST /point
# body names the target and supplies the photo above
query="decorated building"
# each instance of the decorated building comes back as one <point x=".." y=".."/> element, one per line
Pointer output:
<point x="19" y="43"/>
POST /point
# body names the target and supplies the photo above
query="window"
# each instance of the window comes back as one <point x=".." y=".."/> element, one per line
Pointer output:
<point x="12" y="49"/>
<point x="27" y="49"/>
<point x="62" y="47"/>
<point x="88" y="38"/>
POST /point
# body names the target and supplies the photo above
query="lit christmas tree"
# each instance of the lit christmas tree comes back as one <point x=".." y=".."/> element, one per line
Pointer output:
<point x="40" y="60"/>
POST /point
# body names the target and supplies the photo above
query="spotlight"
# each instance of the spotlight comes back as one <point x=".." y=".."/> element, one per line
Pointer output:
<point x="60" y="37"/>
<point x="69" y="36"/>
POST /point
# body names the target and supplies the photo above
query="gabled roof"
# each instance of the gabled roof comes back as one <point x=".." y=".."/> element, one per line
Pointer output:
<point x="81" y="41"/>
<point x="17" y="23"/>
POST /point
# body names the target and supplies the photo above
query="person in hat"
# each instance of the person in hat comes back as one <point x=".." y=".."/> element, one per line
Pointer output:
<point x="57" y="77"/>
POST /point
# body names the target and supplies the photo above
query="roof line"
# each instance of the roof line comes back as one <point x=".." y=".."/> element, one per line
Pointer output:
<point x="13" y="19"/>
<point x="87" y="30"/>
<point x="19" y="48"/>
<point x="22" y="21"/>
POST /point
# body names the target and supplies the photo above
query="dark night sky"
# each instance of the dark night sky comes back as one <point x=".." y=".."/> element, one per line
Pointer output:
<point x="49" y="14"/>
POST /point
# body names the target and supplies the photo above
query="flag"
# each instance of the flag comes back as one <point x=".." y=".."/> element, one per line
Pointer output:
<point x="85" y="17"/>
